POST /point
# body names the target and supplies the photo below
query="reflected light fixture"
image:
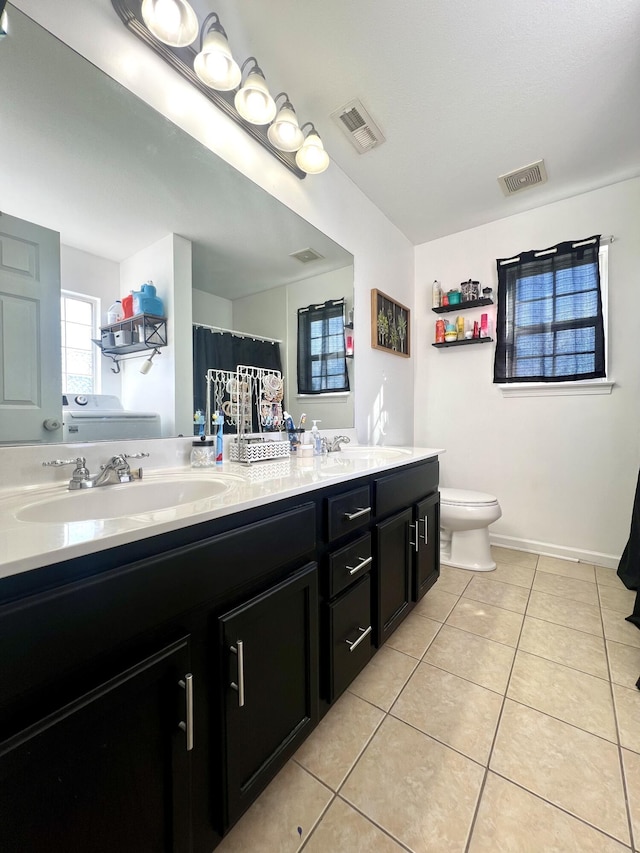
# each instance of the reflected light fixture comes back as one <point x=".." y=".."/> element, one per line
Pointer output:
<point x="3" y="19"/>
<point x="202" y="56"/>
<point x="253" y="100"/>
<point x="284" y="132"/>
<point x="311" y="157"/>
<point x="173" y="22"/>
<point x="215" y="65"/>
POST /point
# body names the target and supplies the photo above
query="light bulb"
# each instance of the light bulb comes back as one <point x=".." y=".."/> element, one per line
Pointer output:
<point x="172" y="22"/>
<point x="285" y="133"/>
<point x="3" y="24"/>
<point x="215" y="65"/>
<point x="253" y="101"/>
<point x="312" y="158"/>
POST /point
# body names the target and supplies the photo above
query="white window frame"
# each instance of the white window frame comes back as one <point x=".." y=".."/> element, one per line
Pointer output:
<point x="94" y="301"/>
<point x="577" y="387"/>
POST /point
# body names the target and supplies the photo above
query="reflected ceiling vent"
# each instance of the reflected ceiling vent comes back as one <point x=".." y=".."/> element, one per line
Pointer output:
<point x="522" y="179"/>
<point x="305" y="256"/>
<point x="358" y="126"/>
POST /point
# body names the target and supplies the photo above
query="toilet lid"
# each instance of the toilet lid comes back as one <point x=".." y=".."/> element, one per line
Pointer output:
<point x="466" y="497"/>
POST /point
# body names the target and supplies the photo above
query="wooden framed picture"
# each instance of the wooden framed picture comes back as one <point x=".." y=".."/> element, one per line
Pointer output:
<point x="390" y="325"/>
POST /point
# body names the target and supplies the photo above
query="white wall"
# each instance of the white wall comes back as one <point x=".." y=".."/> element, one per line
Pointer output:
<point x="330" y="201"/>
<point x="100" y="278"/>
<point x="211" y="310"/>
<point x="563" y="468"/>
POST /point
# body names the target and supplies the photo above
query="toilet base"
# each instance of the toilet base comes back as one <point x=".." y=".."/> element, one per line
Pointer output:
<point x="466" y="549"/>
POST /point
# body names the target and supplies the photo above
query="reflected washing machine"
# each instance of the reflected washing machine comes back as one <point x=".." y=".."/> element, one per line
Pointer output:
<point x="100" y="417"/>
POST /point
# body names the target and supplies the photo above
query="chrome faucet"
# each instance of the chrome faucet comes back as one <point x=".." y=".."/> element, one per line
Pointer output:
<point x="336" y="441"/>
<point x="116" y="470"/>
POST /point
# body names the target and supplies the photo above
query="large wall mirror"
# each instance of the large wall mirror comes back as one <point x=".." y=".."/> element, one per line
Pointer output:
<point x="124" y="196"/>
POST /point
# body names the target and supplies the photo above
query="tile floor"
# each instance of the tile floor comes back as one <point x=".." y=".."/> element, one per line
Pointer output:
<point x="501" y="716"/>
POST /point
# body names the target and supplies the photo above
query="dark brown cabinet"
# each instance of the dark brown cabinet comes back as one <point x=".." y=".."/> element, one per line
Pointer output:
<point x="426" y="544"/>
<point x="393" y="552"/>
<point x="270" y="650"/>
<point x="108" y="771"/>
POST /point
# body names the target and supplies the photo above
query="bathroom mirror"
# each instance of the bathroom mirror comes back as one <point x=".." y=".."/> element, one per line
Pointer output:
<point x="82" y="155"/>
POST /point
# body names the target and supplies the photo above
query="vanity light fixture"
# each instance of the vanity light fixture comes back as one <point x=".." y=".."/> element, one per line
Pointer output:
<point x="3" y="19"/>
<point x="311" y="157"/>
<point x="170" y="28"/>
<point x="172" y="21"/>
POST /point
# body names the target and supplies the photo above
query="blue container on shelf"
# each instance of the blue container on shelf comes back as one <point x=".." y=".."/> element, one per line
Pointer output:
<point x="145" y="301"/>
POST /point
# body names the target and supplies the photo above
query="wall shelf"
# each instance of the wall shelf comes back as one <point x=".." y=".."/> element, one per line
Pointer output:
<point x="147" y="331"/>
<point x="462" y="306"/>
<point x="464" y="343"/>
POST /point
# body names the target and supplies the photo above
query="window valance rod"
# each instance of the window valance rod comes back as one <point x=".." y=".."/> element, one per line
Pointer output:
<point x="603" y="241"/>
<point x="239" y="334"/>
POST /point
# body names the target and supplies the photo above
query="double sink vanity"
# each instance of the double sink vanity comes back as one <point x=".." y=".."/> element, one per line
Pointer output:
<point x="168" y="643"/>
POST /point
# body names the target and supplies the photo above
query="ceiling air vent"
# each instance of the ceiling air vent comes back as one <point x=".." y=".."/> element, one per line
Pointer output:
<point x="358" y="126"/>
<point x="305" y="256"/>
<point x="522" y="179"/>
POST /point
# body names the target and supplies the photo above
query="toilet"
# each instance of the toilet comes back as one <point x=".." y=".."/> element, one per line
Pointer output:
<point x="465" y="517"/>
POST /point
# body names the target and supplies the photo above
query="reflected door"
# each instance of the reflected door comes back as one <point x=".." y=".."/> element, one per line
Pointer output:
<point x="30" y="355"/>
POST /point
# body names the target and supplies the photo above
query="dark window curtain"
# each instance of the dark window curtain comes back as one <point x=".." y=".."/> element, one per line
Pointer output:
<point x="322" y="363"/>
<point x="549" y="325"/>
<point x="224" y="351"/>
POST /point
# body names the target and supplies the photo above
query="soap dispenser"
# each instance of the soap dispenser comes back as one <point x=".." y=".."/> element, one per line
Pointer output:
<point x="316" y="439"/>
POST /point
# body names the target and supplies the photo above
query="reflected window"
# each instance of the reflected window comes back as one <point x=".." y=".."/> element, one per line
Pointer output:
<point x="78" y="327"/>
<point x="322" y="363"/>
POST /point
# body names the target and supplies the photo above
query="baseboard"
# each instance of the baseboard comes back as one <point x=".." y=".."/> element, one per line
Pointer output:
<point x="576" y="555"/>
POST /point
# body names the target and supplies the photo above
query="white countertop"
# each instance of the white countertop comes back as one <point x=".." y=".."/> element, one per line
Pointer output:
<point x="26" y="545"/>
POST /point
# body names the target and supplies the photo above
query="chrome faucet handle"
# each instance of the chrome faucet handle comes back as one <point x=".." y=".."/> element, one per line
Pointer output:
<point x="79" y="462"/>
<point x="135" y="455"/>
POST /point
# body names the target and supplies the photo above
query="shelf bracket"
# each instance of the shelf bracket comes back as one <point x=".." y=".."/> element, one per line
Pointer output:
<point x="114" y="358"/>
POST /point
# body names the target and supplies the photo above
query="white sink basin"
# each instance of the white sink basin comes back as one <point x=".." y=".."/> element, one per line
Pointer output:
<point x="127" y="499"/>
<point x="363" y="451"/>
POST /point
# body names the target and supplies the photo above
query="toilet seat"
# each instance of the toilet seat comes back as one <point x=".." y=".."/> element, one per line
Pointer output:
<point x="466" y="497"/>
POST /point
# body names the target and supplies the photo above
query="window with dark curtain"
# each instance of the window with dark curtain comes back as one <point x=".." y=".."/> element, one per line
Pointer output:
<point x="549" y="325"/>
<point x="322" y="363"/>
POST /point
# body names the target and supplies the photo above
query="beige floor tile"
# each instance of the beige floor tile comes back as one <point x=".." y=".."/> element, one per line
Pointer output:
<point x="436" y="604"/>
<point x="608" y="577"/>
<point x="567" y="694"/>
<point x="564" y="611"/>
<point x="293" y="799"/>
<point x="620" y="599"/>
<point x="511" y="820"/>
<point x="421" y="792"/>
<point x="414" y="635"/>
<point x="472" y="657"/>
<point x="514" y="574"/>
<point x="631" y="764"/>
<point x="504" y="595"/>
<point x="627" y="704"/>
<point x="451" y="709"/>
<point x="570" y="768"/>
<point x="334" y="746"/>
<point x="511" y="557"/>
<point x="625" y="664"/>
<point x="566" y="587"/>
<point x="453" y="580"/>
<point x="616" y="628"/>
<point x="344" y="830"/>
<point x="577" y="649"/>
<point x="567" y="568"/>
<point x="494" y="623"/>
<point x="383" y="677"/>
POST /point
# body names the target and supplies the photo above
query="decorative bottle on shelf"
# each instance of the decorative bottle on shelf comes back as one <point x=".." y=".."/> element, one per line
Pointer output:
<point x="439" y="331"/>
<point x="436" y="295"/>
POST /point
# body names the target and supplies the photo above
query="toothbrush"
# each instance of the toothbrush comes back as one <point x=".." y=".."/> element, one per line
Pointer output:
<point x="303" y="418"/>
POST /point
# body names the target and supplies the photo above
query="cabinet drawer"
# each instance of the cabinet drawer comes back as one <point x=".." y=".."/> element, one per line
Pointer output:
<point x="350" y="636"/>
<point x="348" y="564"/>
<point x="348" y="511"/>
<point x="404" y="488"/>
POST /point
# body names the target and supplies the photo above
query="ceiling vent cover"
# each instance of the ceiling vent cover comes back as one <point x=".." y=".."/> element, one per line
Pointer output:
<point x="305" y="256"/>
<point x="522" y="179"/>
<point x="358" y="126"/>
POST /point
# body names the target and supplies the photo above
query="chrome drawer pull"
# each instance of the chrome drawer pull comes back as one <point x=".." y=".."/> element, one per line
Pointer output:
<point x="365" y="562"/>
<point x="365" y="633"/>
<point x="359" y="512"/>
<point x="416" y="544"/>
<point x="239" y="687"/>
<point x="187" y="727"/>
<point x="425" y="521"/>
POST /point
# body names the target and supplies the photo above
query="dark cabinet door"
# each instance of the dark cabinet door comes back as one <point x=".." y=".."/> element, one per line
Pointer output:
<point x="427" y="554"/>
<point x="108" y="772"/>
<point x="270" y="649"/>
<point x="392" y="573"/>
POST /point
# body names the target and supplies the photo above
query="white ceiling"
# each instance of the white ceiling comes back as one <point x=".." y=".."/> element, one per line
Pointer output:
<point x="463" y="90"/>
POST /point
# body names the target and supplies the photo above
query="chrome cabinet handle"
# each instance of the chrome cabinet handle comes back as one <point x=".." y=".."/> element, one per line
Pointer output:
<point x="238" y="650"/>
<point x="365" y="562"/>
<point x="425" y="521"/>
<point x="365" y="633"/>
<point x="187" y="726"/>
<point x="359" y="512"/>
<point x="416" y="544"/>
